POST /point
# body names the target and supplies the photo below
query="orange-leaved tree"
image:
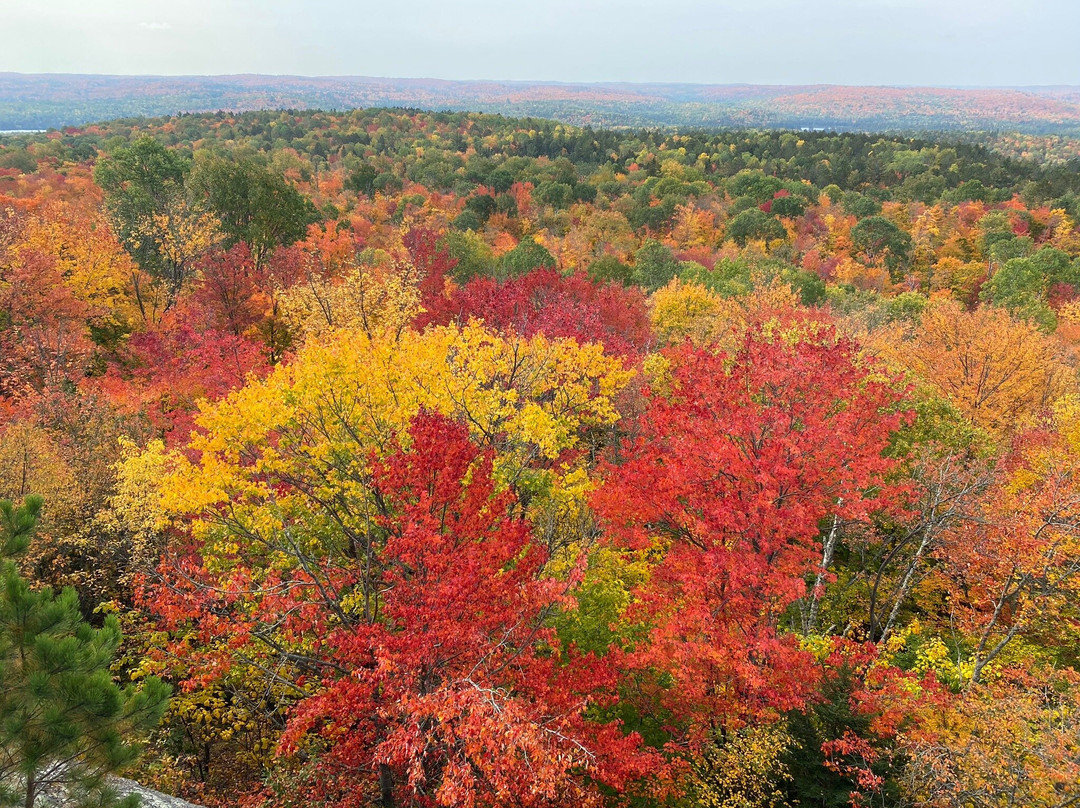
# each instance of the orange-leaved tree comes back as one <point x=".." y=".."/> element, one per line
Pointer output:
<point x="996" y="369"/>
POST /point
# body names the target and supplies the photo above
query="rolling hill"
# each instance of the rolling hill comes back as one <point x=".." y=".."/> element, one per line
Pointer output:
<point x="40" y="101"/>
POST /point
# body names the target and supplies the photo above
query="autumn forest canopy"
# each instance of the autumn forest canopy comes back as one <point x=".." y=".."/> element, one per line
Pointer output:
<point x="395" y="458"/>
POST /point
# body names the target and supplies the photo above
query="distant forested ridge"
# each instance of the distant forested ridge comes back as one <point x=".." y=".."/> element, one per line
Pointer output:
<point x="29" y="101"/>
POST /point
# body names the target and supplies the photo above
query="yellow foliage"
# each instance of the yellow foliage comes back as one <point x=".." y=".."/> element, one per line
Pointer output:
<point x="934" y="656"/>
<point x="1064" y="233"/>
<point x="1067" y="421"/>
<point x="87" y="257"/>
<point x="30" y="463"/>
<point x="998" y="747"/>
<point x="693" y="227"/>
<point x="681" y="311"/>
<point x="744" y="771"/>
<point x="656" y="369"/>
<point x="955" y="275"/>
<point x="182" y="233"/>
<point x="595" y="233"/>
<point x="875" y="278"/>
<point x="347" y="395"/>
<point x="135" y="508"/>
<point x="374" y="295"/>
<point x="1068" y="327"/>
<point x="820" y="646"/>
<point x="224" y="722"/>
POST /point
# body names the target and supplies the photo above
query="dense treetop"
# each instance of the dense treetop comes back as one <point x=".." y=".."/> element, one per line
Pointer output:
<point x="453" y="459"/>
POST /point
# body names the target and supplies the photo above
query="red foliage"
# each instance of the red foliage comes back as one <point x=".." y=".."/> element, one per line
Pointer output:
<point x="728" y="482"/>
<point x="699" y="255"/>
<point x="430" y="261"/>
<point x="824" y="267"/>
<point x="286" y="266"/>
<point x="522" y="194"/>
<point x="1061" y="293"/>
<point x="544" y="301"/>
<point x="446" y="689"/>
<point x="888" y="699"/>
<point x="232" y="290"/>
<point x="162" y="373"/>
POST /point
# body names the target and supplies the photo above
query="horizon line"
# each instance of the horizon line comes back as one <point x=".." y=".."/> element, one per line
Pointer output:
<point x="538" y="82"/>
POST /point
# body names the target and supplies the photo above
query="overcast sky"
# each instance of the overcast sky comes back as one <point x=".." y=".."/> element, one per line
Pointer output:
<point x="926" y="42"/>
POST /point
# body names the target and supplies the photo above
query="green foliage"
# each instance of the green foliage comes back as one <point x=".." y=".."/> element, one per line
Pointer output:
<point x="556" y="194"/>
<point x="254" y="204"/>
<point x="19" y="159"/>
<point x="17" y="525"/>
<point x="728" y="278"/>
<point x="732" y="278"/>
<point x="973" y="191"/>
<point x="906" y="307"/>
<point x="387" y="183"/>
<point x="790" y="207"/>
<point x="597" y="624"/>
<point x="528" y="255"/>
<point x="834" y="193"/>
<point x="858" y="169"/>
<point x="500" y="180"/>
<point x="808" y="286"/>
<point x="860" y="206"/>
<point x="1020" y="288"/>
<point x="877" y="238"/>
<point x="468" y="220"/>
<point x="811" y="781"/>
<point x="609" y="269"/>
<point x="754" y="225"/>
<point x="654" y="265"/>
<point x="474" y="257"/>
<point x="141" y="181"/>
<point x="1004" y="247"/>
<point x="64" y="723"/>
<point x="742" y="203"/>
<point x="481" y="205"/>
<point x="753" y="184"/>
<point x="362" y="180"/>
<point x="938" y="423"/>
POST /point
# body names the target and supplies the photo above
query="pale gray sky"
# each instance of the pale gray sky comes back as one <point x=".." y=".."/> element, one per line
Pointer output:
<point x="935" y="42"/>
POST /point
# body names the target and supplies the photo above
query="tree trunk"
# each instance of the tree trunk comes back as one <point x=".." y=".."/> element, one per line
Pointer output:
<point x="386" y="786"/>
<point x="828" y="550"/>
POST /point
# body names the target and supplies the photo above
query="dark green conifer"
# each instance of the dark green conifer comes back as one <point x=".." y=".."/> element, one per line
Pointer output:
<point x="65" y="725"/>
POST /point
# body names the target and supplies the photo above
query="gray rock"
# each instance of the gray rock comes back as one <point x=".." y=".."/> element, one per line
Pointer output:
<point x="148" y="797"/>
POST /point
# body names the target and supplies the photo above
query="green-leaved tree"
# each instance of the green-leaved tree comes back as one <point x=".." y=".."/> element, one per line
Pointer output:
<point x="254" y="204"/>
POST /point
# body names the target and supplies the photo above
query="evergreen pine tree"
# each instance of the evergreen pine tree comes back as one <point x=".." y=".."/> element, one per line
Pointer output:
<point x="64" y="723"/>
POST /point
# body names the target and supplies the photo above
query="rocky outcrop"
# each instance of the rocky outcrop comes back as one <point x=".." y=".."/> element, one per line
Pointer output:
<point x="148" y="797"/>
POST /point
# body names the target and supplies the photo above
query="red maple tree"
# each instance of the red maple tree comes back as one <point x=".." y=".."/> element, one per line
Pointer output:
<point x="725" y="489"/>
